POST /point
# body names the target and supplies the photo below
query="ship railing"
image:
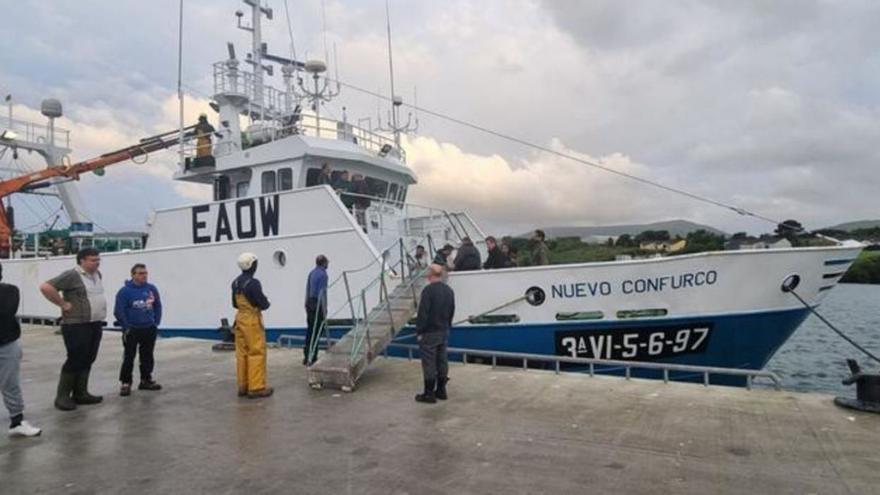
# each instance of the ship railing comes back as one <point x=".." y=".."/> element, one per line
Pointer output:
<point x="35" y="133"/>
<point x="326" y="128"/>
<point x="363" y="313"/>
<point x="234" y="81"/>
<point x="588" y="366"/>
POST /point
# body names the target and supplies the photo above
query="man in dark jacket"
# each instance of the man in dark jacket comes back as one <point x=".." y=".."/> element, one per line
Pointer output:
<point x="441" y="257"/>
<point x="138" y="310"/>
<point x="344" y="187"/>
<point x="325" y="177"/>
<point x="468" y="257"/>
<point x="494" y="259"/>
<point x="10" y="362"/>
<point x="436" y="309"/>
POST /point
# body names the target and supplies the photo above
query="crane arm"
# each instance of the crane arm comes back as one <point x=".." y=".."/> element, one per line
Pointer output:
<point x="38" y="179"/>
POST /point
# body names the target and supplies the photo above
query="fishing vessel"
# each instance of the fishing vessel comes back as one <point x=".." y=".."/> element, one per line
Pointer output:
<point x="268" y="146"/>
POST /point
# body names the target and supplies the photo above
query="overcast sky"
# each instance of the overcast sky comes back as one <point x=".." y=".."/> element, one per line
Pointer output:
<point x="769" y="105"/>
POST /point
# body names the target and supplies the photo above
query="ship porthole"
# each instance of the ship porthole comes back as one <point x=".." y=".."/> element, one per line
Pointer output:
<point x="280" y="258"/>
<point x="791" y="282"/>
<point x="535" y="296"/>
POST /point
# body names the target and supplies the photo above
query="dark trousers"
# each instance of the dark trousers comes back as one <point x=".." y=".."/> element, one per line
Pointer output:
<point x="134" y="339"/>
<point x="82" y="341"/>
<point x="314" y="319"/>
<point x="432" y="350"/>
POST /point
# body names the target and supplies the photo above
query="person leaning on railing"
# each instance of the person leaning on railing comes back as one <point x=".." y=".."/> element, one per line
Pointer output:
<point x="344" y="188"/>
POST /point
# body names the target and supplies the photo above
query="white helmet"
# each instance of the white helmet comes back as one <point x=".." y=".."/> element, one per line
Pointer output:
<point x="246" y="261"/>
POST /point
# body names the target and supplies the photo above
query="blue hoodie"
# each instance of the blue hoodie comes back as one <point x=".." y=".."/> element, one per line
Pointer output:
<point x="138" y="306"/>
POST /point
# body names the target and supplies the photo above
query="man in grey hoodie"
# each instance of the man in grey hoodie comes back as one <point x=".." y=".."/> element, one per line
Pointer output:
<point x="10" y="362"/>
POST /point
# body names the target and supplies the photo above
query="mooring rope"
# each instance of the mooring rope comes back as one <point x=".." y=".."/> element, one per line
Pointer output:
<point x="484" y="313"/>
<point x="832" y="327"/>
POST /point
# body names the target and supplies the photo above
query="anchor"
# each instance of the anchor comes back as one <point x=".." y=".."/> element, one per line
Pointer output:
<point x="867" y="390"/>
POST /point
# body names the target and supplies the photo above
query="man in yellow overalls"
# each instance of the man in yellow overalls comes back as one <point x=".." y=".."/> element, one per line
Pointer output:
<point x="250" y="334"/>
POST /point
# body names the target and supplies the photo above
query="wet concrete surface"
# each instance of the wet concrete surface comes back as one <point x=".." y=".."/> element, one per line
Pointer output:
<point x="502" y="431"/>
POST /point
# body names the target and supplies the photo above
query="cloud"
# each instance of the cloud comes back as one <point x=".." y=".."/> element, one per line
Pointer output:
<point x="769" y="105"/>
<point x="542" y="190"/>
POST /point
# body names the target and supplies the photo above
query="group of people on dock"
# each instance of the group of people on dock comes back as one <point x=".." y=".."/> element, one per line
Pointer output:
<point x="79" y="293"/>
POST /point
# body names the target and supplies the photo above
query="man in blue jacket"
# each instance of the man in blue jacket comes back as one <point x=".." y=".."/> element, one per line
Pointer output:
<point x="139" y="312"/>
<point x="316" y="307"/>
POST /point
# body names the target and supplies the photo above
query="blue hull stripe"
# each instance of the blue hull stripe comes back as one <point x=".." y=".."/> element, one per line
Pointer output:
<point x="736" y="340"/>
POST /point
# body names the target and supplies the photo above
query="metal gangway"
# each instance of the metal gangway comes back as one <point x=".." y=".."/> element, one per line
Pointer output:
<point x="372" y="328"/>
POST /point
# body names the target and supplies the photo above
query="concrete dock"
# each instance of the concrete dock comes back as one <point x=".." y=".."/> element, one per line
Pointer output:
<point x="502" y="431"/>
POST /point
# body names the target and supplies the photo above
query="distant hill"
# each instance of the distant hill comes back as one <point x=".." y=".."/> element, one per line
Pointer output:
<point x="675" y="227"/>
<point x="861" y="224"/>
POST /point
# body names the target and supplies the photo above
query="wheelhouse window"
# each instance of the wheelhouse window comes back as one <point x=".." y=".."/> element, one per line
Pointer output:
<point x="241" y="189"/>
<point x="312" y="175"/>
<point x="378" y="187"/>
<point x="402" y="194"/>
<point x="392" y="193"/>
<point x="268" y="181"/>
<point x="285" y="179"/>
<point x="221" y="188"/>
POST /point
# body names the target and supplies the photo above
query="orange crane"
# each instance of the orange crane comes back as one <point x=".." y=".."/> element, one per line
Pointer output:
<point x="41" y="178"/>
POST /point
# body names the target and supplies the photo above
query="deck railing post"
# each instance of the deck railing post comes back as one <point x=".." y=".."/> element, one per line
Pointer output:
<point x="366" y="316"/>
<point x="348" y="298"/>
<point x="402" y="262"/>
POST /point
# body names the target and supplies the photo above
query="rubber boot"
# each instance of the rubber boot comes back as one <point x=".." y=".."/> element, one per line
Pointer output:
<point x="81" y="393"/>
<point x="441" y="388"/>
<point x="65" y="387"/>
<point x="428" y="396"/>
<point x="259" y="394"/>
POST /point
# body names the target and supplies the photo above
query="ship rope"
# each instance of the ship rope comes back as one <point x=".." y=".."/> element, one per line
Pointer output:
<point x="488" y="312"/>
<point x="290" y="32"/>
<point x="675" y="190"/>
<point x="834" y="328"/>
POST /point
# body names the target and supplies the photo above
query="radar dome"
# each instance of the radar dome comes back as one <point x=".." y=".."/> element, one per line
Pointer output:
<point x="51" y="108"/>
<point x="315" y="66"/>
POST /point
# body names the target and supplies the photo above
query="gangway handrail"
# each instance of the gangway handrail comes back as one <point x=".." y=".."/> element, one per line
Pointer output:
<point x="592" y="363"/>
<point x="358" y="296"/>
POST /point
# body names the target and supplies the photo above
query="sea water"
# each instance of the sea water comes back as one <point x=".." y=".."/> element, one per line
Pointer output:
<point x="814" y="358"/>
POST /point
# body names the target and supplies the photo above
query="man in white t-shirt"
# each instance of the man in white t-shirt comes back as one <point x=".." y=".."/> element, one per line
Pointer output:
<point x="80" y="295"/>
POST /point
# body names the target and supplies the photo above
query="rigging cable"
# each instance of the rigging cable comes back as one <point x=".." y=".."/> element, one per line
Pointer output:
<point x="590" y="163"/>
<point x="832" y="327"/>
<point x="290" y="32"/>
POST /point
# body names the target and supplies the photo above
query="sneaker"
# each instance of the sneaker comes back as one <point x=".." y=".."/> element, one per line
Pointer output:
<point x="125" y="390"/>
<point x="242" y="392"/>
<point x="259" y="394"/>
<point x="149" y="385"/>
<point x="426" y="398"/>
<point x="25" y="429"/>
